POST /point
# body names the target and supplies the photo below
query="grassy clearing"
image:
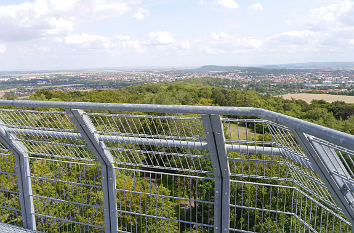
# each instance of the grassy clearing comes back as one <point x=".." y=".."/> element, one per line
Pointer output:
<point x="239" y="132"/>
<point x="308" y="97"/>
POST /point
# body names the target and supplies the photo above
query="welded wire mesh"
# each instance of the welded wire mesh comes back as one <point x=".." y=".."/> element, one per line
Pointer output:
<point x="67" y="193"/>
<point x="40" y="120"/>
<point x="164" y="142"/>
<point x="146" y="126"/>
<point x="345" y="156"/>
<point x="164" y="178"/>
<point x="278" y="208"/>
<point x="339" y="164"/>
<point x="10" y="209"/>
<point x="247" y="162"/>
<point x="165" y="175"/>
<point x="40" y="144"/>
<point x="44" y="133"/>
<point x="163" y="202"/>
<point x="304" y="176"/>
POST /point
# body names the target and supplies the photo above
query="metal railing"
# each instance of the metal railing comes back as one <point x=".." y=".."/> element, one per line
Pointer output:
<point x="94" y="167"/>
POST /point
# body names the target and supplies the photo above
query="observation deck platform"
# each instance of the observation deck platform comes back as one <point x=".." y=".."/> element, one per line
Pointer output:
<point x="106" y="167"/>
<point x="8" y="228"/>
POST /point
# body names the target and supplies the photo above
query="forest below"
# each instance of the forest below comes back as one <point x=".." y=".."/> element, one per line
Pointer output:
<point x="154" y="192"/>
<point x="213" y="92"/>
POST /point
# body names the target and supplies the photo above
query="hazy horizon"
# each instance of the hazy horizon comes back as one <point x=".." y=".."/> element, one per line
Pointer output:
<point x="118" y="68"/>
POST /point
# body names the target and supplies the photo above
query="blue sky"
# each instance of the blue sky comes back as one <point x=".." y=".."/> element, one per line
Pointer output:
<point x="65" y="34"/>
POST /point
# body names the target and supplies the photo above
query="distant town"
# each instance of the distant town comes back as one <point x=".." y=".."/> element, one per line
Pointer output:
<point x="273" y="81"/>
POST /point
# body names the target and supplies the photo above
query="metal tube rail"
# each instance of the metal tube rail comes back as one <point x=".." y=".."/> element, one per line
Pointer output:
<point x="153" y="142"/>
<point x="331" y="135"/>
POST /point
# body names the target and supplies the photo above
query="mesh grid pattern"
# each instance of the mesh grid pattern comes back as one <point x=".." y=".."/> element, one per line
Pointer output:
<point x="253" y="133"/>
<point x="165" y="179"/>
<point x="10" y="209"/>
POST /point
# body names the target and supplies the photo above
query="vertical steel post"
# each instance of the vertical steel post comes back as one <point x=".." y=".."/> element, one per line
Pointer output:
<point x="88" y="132"/>
<point x="324" y="160"/>
<point x="216" y="144"/>
<point x="23" y="174"/>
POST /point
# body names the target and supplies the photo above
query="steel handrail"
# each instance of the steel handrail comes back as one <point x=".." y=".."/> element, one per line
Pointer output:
<point x="331" y="135"/>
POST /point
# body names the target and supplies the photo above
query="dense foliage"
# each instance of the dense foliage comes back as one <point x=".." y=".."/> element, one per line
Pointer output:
<point x="337" y="115"/>
<point x="80" y="182"/>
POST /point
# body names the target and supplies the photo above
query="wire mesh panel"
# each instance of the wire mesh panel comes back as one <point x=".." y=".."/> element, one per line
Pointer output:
<point x="105" y="172"/>
<point x="164" y="177"/>
<point x="340" y="157"/>
<point x="273" y="205"/>
<point x="303" y="175"/>
<point x="154" y="141"/>
<point x="249" y="139"/>
<point x="269" y="210"/>
<point x="163" y="202"/>
<point x="66" y="179"/>
<point x="311" y="187"/>
<point x="337" y="162"/>
<point x="310" y="215"/>
<point x="279" y="208"/>
<point x="10" y="209"/>
<point x="67" y="196"/>
<point x="46" y="133"/>
<point x="256" y="207"/>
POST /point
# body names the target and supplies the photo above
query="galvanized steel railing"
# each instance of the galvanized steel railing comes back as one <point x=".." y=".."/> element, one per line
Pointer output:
<point x="92" y="167"/>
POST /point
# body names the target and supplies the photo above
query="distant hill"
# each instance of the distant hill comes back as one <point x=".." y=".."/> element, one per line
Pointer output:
<point x="294" y="67"/>
<point x="291" y="67"/>
<point x="313" y="65"/>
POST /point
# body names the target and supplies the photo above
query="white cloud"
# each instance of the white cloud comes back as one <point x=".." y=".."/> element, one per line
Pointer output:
<point x="59" y="26"/>
<point x="289" y="21"/>
<point x="201" y="2"/>
<point x="43" y="18"/>
<point x="161" y="38"/>
<point x="212" y="51"/>
<point x="141" y="14"/>
<point x="125" y="41"/>
<point x="257" y="7"/>
<point x="224" y="43"/>
<point x="123" y="37"/>
<point x="46" y="28"/>
<point x="185" y="45"/>
<point x="340" y="13"/>
<point x="227" y="3"/>
<point x="219" y="36"/>
<point x="61" y="6"/>
<point x="253" y="43"/>
<point x="88" y="41"/>
<point x="107" y="8"/>
<point x="327" y="28"/>
<point x="135" y="44"/>
<point x="107" y="45"/>
<point x="294" y="37"/>
<point x="293" y="43"/>
<point x="2" y="48"/>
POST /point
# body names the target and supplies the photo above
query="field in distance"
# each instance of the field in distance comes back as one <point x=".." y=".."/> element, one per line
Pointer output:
<point x="308" y="97"/>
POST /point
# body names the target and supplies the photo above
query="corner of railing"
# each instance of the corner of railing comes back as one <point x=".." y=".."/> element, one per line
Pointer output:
<point x="331" y="135"/>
